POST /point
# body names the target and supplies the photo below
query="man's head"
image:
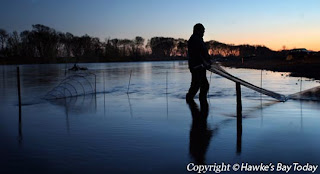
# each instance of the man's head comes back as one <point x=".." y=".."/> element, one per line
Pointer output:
<point x="198" y="29"/>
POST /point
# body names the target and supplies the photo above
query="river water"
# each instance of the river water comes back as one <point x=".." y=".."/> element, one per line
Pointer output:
<point x="147" y="126"/>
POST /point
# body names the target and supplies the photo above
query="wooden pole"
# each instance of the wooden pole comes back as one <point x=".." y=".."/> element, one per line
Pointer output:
<point x="209" y="86"/>
<point x="65" y="67"/>
<point x="129" y="82"/>
<point x="95" y="83"/>
<point x="104" y="83"/>
<point x="167" y="94"/>
<point x="239" y="103"/>
<point x="239" y="117"/>
<point x="19" y="92"/>
<point x="261" y="80"/>
<point x="104" y="95"/>
<point x="300" y="84"/>
<point x="167" y="82"/>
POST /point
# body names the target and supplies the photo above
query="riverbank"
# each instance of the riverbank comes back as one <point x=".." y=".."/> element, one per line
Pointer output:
<point x="298" y="68"/>
<point x="39" y="60"/>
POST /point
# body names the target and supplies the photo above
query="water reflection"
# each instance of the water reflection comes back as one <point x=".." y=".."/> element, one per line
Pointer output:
<point x="239" y="118"/>
<point x="67" y="115"/>
<point x="130" y="106"/>
<point x="76" y="105"/>
<point x="20" y="137"/>
<point x="301" y="117"/>
<point x="200" y="133"/>
<point x="125" y="143"/>
<point x="239" y="126"/>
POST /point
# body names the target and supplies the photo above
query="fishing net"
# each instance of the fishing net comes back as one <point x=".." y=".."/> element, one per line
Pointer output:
<point x="220" y="71"/>
<point x="74" y="85"/>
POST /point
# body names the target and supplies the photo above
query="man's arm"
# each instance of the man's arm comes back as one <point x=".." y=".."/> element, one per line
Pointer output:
<point x="205" y="55"/>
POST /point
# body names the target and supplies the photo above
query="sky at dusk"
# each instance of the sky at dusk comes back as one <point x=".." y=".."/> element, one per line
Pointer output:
<point x="273" y="23"/>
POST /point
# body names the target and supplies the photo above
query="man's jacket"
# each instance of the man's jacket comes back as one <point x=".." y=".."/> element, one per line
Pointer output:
<point x="197" y="52"/>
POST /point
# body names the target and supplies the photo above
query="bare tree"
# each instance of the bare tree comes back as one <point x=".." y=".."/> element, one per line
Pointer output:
<point x="46" y="40"/>
<point x="14" y="44"/>
<point x="3" y="38"/>
<point x="137" y="46"/>
<point x="125" y="44"/>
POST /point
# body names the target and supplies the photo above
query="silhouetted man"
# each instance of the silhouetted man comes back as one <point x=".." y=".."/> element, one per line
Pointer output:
<point x="198" y="59"/>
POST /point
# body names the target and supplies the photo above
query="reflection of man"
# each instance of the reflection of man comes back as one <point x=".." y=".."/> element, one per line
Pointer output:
<point x="198" y="62"/>
<point x="200" y="135"/>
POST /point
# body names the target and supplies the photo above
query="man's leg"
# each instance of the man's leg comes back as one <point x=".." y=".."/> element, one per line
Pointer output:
<point x="195" y="84"/>
<point x="204" y="85"/>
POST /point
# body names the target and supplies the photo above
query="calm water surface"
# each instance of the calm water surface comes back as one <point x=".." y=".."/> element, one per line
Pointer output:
<point x="151" y="129"/>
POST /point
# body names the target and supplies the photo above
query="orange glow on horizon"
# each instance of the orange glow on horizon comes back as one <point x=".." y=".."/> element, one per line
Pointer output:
<point x="309" y="39"/>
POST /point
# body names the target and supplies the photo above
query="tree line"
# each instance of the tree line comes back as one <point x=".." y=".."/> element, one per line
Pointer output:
<point x="43" y="44"/>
